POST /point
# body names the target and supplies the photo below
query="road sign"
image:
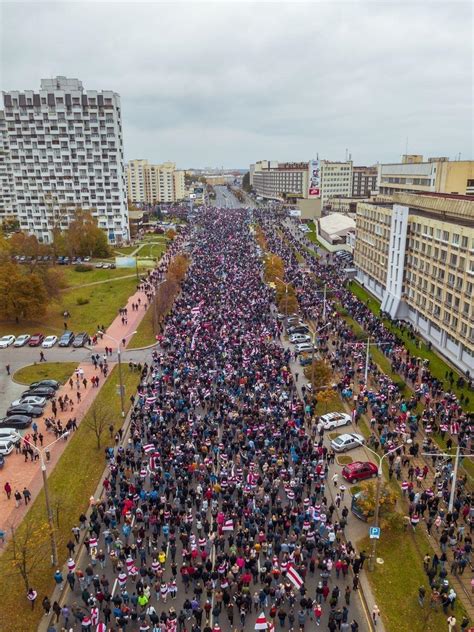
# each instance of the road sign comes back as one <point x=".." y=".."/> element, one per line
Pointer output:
<point x="374" y="533"/>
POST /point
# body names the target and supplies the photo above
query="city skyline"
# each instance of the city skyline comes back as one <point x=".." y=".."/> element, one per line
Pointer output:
<point x="232" y="84"/>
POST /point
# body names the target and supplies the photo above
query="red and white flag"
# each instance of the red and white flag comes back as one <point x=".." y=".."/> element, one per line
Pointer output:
<point x="149" y="447"/>
<point x="294" y="577"/>
<point x="228" y="525"/>
<point x="261" y="622"/>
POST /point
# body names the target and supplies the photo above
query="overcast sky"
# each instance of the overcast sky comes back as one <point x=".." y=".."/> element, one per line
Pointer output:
<point x="211" y="84"/>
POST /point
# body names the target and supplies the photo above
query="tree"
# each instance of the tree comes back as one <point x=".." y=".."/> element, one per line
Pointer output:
<point x="84" y="238"/>
<point x="53" y="279"/>
<point x="171" y="234"/>
<point x="28" y="546"/>
<point x="22" y="295"/>
<point x="97" y="420"/>
<point x="321" y="373"/>
<point x="246" y="182"/>
<point x="325" y="397"/>
<point x="388" y="500"/>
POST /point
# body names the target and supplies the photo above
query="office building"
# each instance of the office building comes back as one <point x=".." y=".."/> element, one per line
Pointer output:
<point x="154" y="184"/>
<point x="416" y="254"/>
<point x="436" y="175"/>
<point x="364" y="181"/>
<point x="64" y="149"/>
<point x="336" y="180"/>
<point x="280" y="180"/>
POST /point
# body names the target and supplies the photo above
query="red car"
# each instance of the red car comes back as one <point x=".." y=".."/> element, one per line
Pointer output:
<point x="35" y="340"/>
<point x="359" y="470"/>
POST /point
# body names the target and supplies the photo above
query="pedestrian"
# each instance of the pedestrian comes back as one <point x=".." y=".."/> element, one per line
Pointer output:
<point x="8" y="490"/>
<point x="451" y="623"/>
<point x="375" y="614"/>
<point x="7" y="367"/>
<point x="26" y="495"/>
<point x="42" y="357"/>
<point x="17" y="498"/>
<point x="32" y="595"/>
<point x="58" y="578"/>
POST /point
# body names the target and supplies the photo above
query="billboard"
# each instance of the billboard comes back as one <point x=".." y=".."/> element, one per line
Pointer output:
<point x="198" y="191"/>
<point x="125" y="262"/>
<point x="314" y="179"/>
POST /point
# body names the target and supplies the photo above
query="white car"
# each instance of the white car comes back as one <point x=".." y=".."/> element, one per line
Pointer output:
<point x="10" y="434"/>
<point x="334" y="420"/>
<point x="348" y="441"/>
<point x="6" y="341"/>
<point x="298" y="338"/>
<point x="21" y="340"/>
<point x="49" y="342"/>
<point x="6" y="447"/>
<point x="36" y="400"/>
<point x="301" y="347"/>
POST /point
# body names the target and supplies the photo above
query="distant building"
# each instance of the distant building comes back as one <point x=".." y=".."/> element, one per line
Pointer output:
<point x="333" y="231"/>
<point x="416" y="254"/>
<point x="154" y="184"/>
<point x="437" y="175"/>
<point x="364" y="181"/>
<point x="61" y="148"/>
<point x="336" y="180"/>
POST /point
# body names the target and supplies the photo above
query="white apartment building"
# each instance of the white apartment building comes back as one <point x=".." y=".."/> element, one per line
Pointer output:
<point x="336" y="180"/>
<point x="65" y="149"/>
<point x="6" y="177"/>
<point x="153" y="184"/>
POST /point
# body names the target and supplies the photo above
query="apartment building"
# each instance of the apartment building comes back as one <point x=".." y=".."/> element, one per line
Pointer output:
<point x="280" y="180"/>
<point x="415" y="252"/>
<point x="154" y="184"/>
<point x="7" y="207"/>
<point x="64" y="149"/>
<point x="436" y="175"/>
<point x="364" y="181"/>
<point x="336" y="180"/>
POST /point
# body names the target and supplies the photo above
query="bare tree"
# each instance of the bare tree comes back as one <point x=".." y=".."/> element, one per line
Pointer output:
<point x="97" y="420"/>
<point x="27" y="548"/>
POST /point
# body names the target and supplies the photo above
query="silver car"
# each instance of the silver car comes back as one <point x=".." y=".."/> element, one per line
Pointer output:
<point x="348" y="441"/>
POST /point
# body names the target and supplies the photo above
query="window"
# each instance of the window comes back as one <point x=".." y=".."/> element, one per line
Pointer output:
<point x="464" y="241"/>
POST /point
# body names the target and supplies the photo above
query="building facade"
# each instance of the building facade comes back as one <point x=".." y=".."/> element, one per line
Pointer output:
<point x="437" y="175"/>
<point x="154" y="184"/>
<point x="336" y="180"/>
<point x="416" y="254"/>
<point x="280" y="180"/>
<point x="364" y="181"/>
<point x="7" y="197"/>
<point x="65" y="150"/>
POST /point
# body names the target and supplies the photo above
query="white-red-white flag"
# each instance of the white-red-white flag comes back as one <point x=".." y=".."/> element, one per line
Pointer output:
<point x="261" y="622"/>
<point x="294" y="577"/>
<point x="228" y="525"/>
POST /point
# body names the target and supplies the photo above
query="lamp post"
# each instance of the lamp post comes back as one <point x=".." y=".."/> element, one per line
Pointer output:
<point x="377" y="496"/>
<point x="49" y="511"/>
<point x="457" y="456"/>
<point x="119" y="358"/>
<point x="315" y="333"/>
<point x="286" y="293"/>
<point x="368" y="344"/>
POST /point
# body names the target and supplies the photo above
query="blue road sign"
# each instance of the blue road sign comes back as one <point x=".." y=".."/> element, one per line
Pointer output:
<point x="374" y="533"/>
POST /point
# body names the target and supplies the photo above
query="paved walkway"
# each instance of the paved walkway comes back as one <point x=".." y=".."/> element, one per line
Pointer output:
<point x="20" y="474"/>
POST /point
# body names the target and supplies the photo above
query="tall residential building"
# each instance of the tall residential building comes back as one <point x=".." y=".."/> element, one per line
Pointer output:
<point x="65" y="149"/>
<point x="336" y="180"/>
<point x="364" y="181"/>
<point x="152" y="184"/>
<point x="7" y="208"/>
<point x="416" y="254"/>
<point x="437" y="175"/>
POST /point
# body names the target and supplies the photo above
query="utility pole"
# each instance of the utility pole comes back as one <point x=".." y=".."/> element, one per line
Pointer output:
<point x="119" y="359"/>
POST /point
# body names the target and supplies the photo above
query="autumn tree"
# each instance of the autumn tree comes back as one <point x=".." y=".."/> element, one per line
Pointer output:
<point x="27" y="548"/>
<point x="84" y="238"/>
<point x="171" y="234"/>
<point x="367" y="498"/>
<point x="53" y="279"/>
<point x="320" y="373"/>
<point x="22" y="295"/>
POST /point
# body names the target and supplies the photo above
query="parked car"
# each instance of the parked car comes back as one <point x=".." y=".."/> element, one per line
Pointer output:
<point x="305" y="359"/>
<point x="35" y="340"/>
<point x="348" y="441"/>
<point x="105" y="266"/>
<point x="10" y="434"/>
<point x="49" y="383"/>
<point x="303" y="346"/>
<point x="2" y="461"/>
<point x="15" y="421"/>
<point x="6" y="341"/>
<point x="40" y="391"/>
<point x="294" y="338"/>
<point x="81" y="340"/>
<point x="26" y="409"/>
<point x="86" y="259"/>
<point x="300" y="329"/>
<point x="21" y="340"/>
<point x="99" y="264"/>
<point x="359" y="471"/>
<point x="49" y="342"/>
<point x="335" y="420"/>
<point x="6" y="447"/>
<point x="66" y="339"/>
<point x="34" y="400"/>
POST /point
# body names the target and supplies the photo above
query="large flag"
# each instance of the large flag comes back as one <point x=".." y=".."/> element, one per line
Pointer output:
<point x="261" y="622"/>
<point x="149" y="447"/>
<point x="294" y="577"/>
<point x="228" y="525"/>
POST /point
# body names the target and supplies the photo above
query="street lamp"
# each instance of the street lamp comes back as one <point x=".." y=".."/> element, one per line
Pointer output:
<point x="377" y="495"/>
<point x="49" y="511"/>
<point x="315" y="333"/>
<point x="368" y="344"/>
<point x="286" y="292"/>
<point x="119" y="357"/>
<point x="457" y="456"/>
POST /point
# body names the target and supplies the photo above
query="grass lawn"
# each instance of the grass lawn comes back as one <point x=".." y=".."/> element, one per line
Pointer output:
<point x="154" y="250"/>
<point x="75" y="279"/>
<point x="71" y="484"/>
<point x="125" y="250"/>
<point x="60" y="371"/>
<point x="395" y="583"/>
<point x="145" y="335"/>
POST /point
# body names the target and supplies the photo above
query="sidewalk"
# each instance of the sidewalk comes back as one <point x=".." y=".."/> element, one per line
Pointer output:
<point x="20" y="474"/>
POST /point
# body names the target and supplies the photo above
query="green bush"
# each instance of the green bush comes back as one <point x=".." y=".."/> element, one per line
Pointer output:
<point x="81" y="267"/>
<point x="82" y="301"/>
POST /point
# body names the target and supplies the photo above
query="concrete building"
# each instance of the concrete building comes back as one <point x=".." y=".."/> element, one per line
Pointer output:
<point x="64" y="149"/>
<point x="333" y="231"/>
<point x="364" y="181"/>
<point x="416" y="254"/>
<point x="154" y="184"/>
<point x="7" y="197"/>
<point x="336" y="180"/>
<point x="437" y="175"/>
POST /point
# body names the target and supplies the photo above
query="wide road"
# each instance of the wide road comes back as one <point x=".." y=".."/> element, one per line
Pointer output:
<point x="225" y="199"/>
<point x="220" y="462"/>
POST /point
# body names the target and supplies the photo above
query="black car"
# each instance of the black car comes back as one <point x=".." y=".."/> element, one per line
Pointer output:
<point x="46" y="383"/>
<point x="41" y="391"/>
<point x="16" y="421"/>
<point x="302" y="329"/>
<point x="26" y="409"/>
<point x="81" y="340"/>
<point x="2" y="461"/>
<point x="66" y="339"/>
